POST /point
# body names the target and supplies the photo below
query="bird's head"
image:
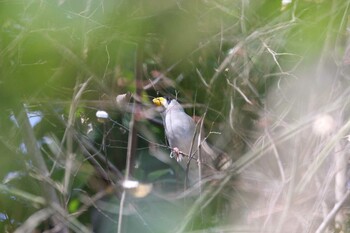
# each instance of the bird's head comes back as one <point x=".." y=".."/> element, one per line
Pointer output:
<point x="161" y="102"/>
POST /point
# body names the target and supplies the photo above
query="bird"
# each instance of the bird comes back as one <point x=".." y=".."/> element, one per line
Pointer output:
<point x="188" y="147"/>
<point x="179" y="127"/>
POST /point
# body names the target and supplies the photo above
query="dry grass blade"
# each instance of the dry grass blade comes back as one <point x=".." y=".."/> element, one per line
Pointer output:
<point x="34" y="220"/>
<point x="323" y="154"/>
<point x="38" y="159"/>
<point x="69" y="133"/>
<point x="35" y="200"/>
<point x="132" y="137"/>
<point x="333" y="213"/>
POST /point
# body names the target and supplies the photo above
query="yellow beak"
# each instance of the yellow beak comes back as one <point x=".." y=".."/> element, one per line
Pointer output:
<point x="159" y="101"/>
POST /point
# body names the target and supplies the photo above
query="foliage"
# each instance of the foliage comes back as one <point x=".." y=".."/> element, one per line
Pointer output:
<point x="269" y="77"/>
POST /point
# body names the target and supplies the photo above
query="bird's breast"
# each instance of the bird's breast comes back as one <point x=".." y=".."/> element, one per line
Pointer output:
<point x="179" y="129"/>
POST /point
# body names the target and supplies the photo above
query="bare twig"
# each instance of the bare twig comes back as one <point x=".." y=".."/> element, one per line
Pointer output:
<point x="34" y="220"/>
<point x="341" y="161"/>
<point x="68" y="136"/>
<point x="323" y="155"/>
<point x="86" y="147"/>
<point x="132" y="139"/>
<point x="239" y="91"/>
<point x="278" y="159"/>
<point x="38" y="160"/>
<point x="202" y="78"/>
<point x="291" y="192"/>
<point x="333" y="212"/>
<point x="226" y="62"/>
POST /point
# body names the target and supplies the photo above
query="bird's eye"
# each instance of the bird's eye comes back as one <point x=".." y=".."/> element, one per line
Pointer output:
<point x="168" y="99"/>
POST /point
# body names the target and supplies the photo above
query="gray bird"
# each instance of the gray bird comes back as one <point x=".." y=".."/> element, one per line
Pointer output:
<point x="183" y="138"/>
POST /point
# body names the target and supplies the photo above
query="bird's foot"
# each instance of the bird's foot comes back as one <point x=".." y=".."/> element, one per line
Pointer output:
<point x="177" y="154"/>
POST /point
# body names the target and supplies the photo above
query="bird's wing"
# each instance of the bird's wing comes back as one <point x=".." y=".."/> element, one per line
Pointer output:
<point x="179" y="129"/>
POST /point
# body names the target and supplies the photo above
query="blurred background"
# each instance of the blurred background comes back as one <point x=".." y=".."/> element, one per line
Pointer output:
<point x="269" y="78"/>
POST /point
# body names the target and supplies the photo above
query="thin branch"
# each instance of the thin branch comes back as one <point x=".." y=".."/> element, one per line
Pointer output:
<point x="226" y="62"/>
<point x="38" y="161"/>
<point x="278" y="159"/>
<point x="290" y="193"/>
<point x="68" y="136"/>
<point x="132" y="139"/>
<point x="34" y="220"/>
<point x="86" y="147"/>
<point x="28" y="197"/>
<point x="341" y="161"/>
<point x="333" y="212"/>
<point x="240" y="92"/>
<point x="323" y="154"/>
<point x="202" y="78"/>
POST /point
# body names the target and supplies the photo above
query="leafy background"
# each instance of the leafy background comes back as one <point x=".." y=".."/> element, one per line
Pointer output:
<point x="271" y="79"/>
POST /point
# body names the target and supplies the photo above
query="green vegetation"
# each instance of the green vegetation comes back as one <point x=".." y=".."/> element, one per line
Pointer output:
<point x="270" y="80"/>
